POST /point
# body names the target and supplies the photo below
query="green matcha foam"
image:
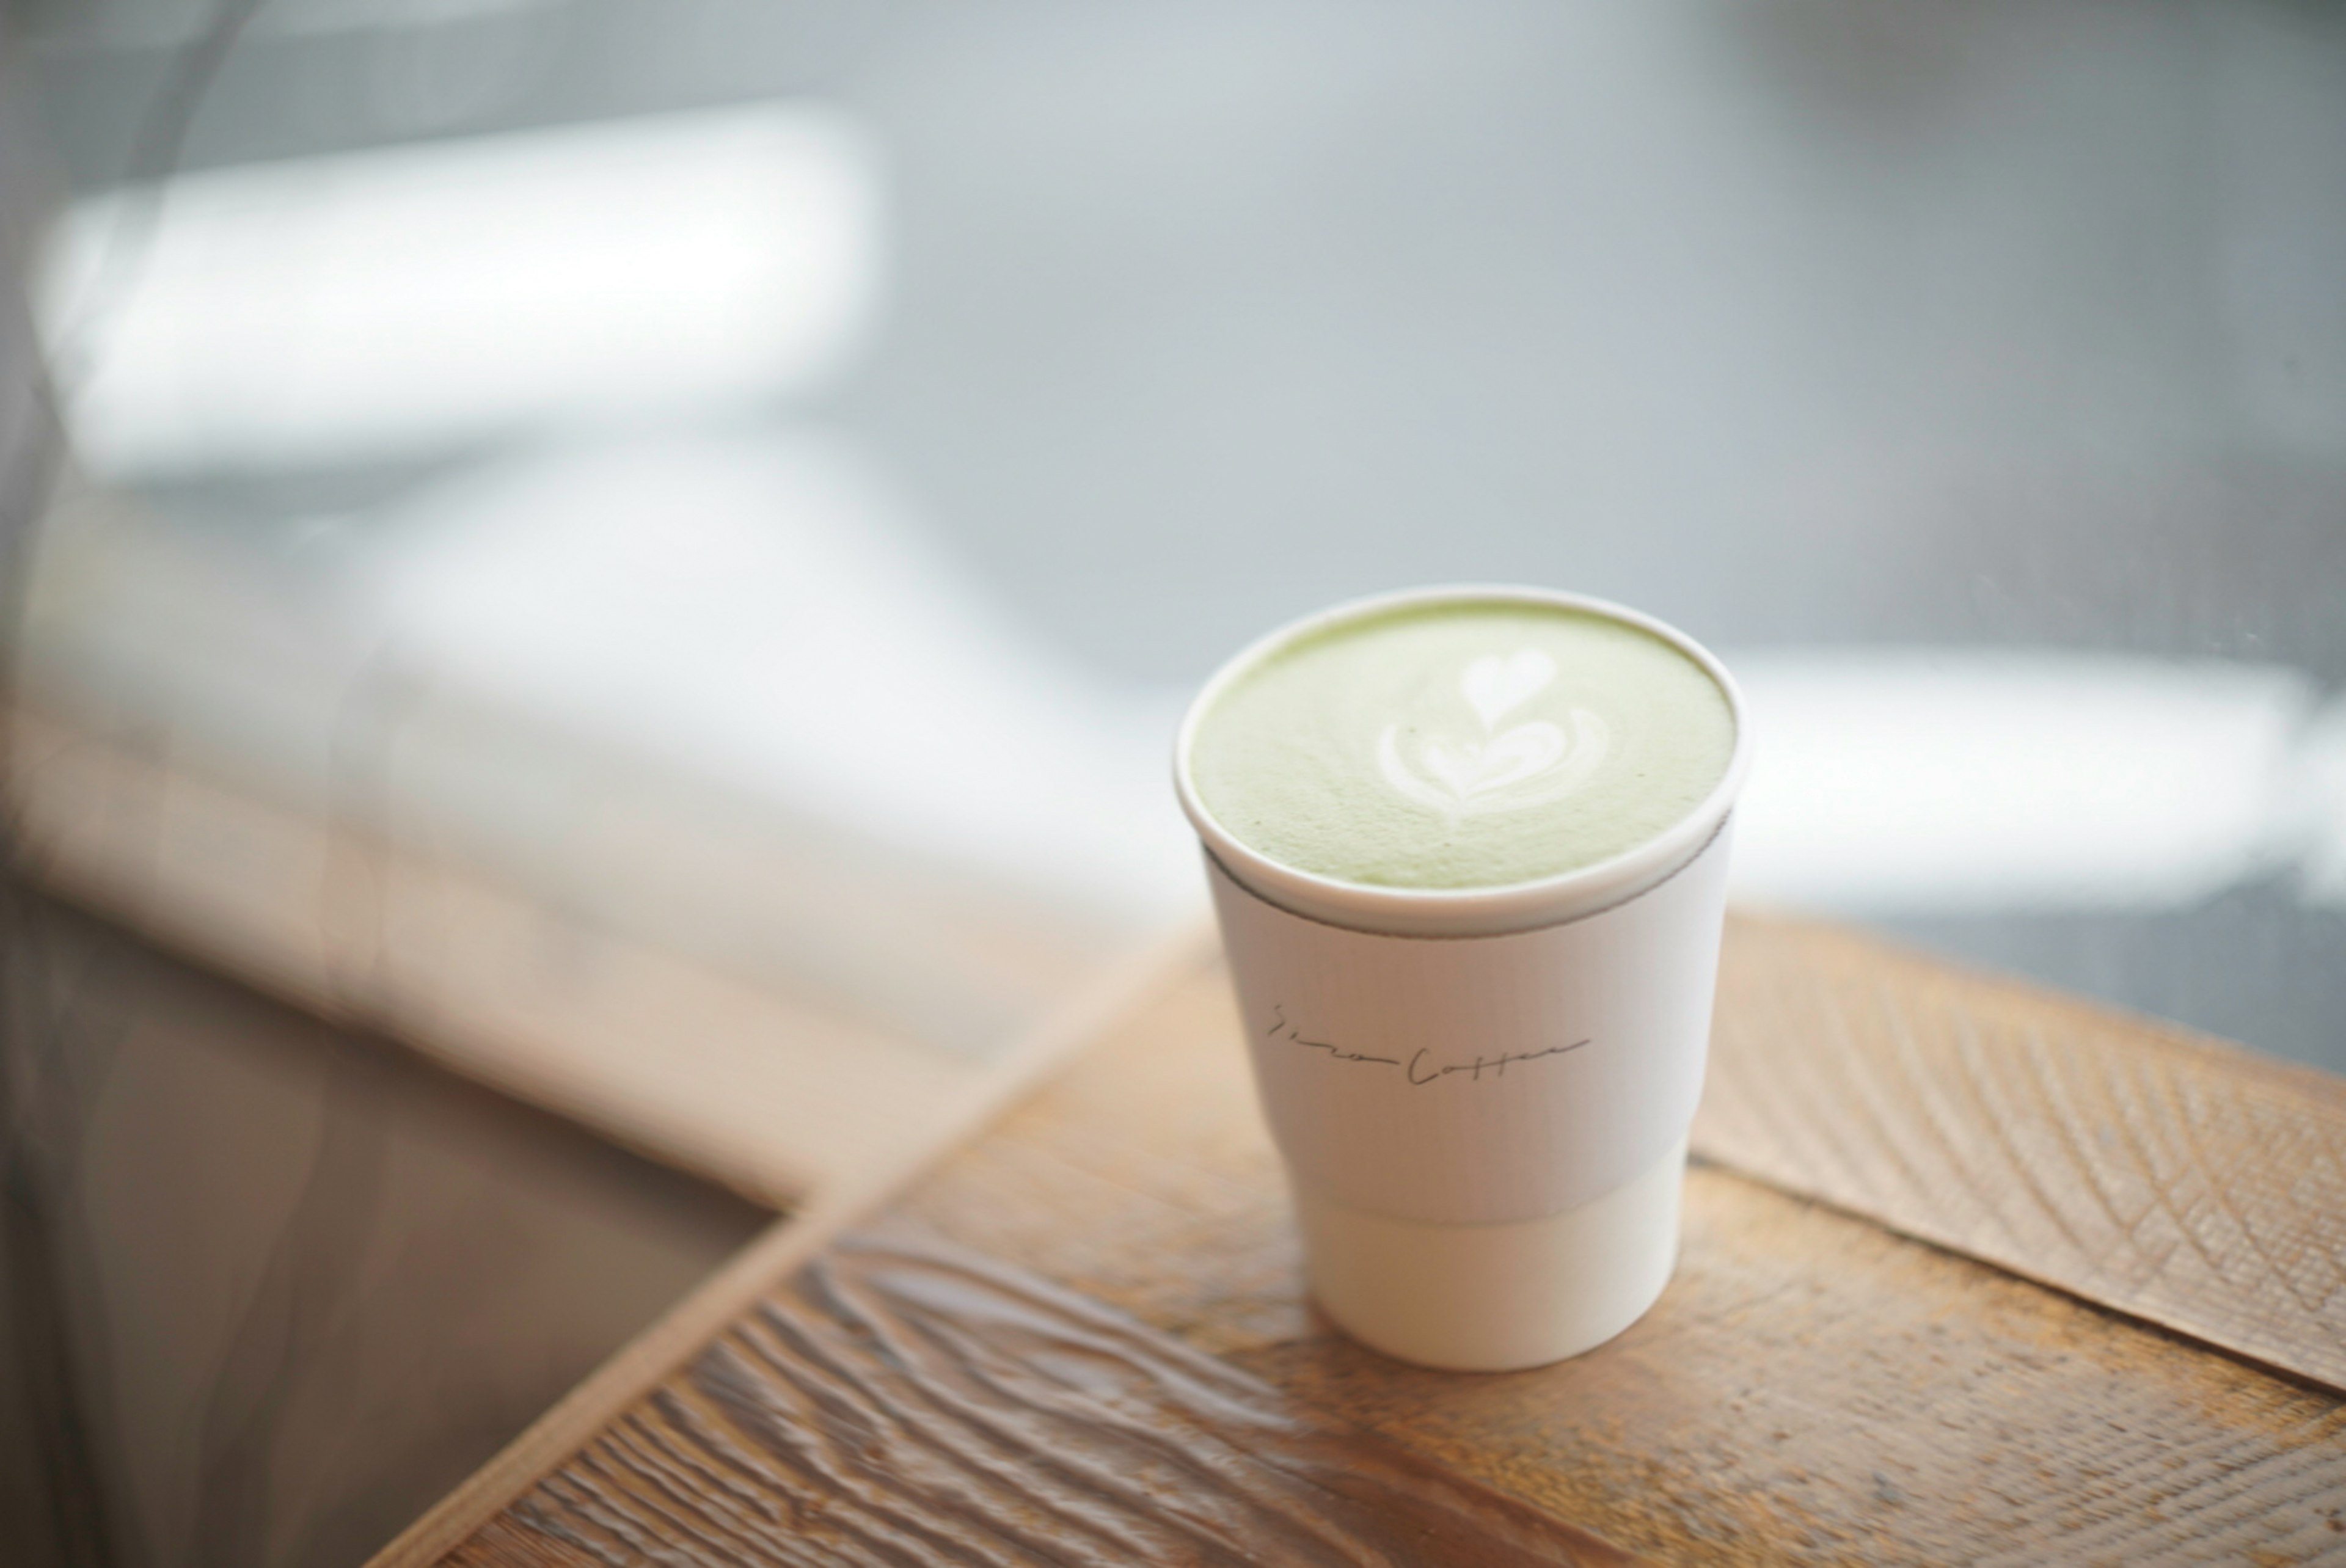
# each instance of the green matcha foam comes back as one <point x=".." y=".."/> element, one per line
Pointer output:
<point x="1462" y="744"/>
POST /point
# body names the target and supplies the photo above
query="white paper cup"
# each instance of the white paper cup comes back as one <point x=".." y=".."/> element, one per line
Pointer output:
<point x="1482" y="1095"/>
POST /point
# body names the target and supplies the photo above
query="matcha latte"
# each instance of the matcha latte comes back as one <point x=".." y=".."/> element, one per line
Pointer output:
<point x="1470" y="742"/>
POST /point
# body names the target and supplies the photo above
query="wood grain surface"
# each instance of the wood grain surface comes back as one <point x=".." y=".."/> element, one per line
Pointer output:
<point x="2174" y="1177"/>
<point x="1812" y="1388"/>
<point x="923" y="1404"/>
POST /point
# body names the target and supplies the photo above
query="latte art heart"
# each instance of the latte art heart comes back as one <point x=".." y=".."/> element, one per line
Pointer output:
<point x="1526" y="764"/>
<point x="1479" y="766"/>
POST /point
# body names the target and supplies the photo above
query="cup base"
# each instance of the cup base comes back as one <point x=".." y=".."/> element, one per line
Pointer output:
<point x="1497" y="1297"/>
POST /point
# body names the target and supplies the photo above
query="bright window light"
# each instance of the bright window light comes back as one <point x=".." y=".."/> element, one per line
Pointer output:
<point x="377" y="304"/>
<point x="1941" y="781"/>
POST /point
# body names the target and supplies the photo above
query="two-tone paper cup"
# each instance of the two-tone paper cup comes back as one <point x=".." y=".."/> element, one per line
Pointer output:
<point x="1482" y="1095"/>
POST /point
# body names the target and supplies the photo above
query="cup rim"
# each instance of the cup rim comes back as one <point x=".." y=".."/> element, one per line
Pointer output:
<point x="1461" y="912"/>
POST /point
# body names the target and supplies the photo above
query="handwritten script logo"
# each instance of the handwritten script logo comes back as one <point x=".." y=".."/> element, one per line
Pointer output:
<point x="1500" y="769"/>
<point x="1421" y="1069"/>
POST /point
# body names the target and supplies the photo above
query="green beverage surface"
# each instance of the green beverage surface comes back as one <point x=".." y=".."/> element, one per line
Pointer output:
<point x="1465" y="744"/>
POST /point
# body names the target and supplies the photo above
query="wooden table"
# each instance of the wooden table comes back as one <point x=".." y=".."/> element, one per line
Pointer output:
<point x="1971" y="1274"/>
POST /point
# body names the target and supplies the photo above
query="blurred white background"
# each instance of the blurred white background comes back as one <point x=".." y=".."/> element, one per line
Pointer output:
<point x="887" y="414"/>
